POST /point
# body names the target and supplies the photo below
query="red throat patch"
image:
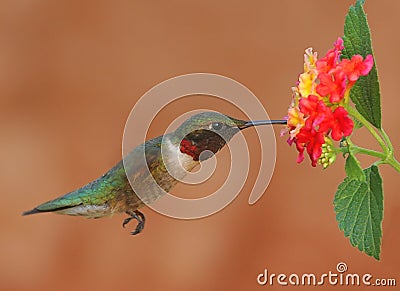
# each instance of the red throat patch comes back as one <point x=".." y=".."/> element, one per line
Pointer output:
<point x="188" y="148"/>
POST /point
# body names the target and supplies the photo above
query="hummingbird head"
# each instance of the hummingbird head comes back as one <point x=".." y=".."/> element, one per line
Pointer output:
<point x="208" y="132"/>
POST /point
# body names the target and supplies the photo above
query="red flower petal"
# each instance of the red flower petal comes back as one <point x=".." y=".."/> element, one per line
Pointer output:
<point x="332" y="85"/>
<point x="328" y="63"/>
<point x="357" y="67"/>
<point x="342" y="124"/>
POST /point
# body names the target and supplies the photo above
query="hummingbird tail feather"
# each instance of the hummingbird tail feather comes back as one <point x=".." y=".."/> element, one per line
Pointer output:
<point x="86" y="201"/>
<point x="32" y="211"/>
<point x="36" y="210"/>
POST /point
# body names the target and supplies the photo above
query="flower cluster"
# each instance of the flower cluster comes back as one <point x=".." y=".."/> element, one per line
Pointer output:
<point x="320" y="100"/>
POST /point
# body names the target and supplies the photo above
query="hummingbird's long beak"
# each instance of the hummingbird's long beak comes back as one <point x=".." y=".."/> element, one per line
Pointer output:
<point x="261" y="122"/>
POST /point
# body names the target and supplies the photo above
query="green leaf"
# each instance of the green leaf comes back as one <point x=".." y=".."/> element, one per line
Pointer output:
<point x="357" y="41"/>
<point x="359" y="211"/>
<point x="353" y="168"/>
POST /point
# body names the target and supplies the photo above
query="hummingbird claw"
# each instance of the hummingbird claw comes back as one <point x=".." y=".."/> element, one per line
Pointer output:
<point x="126" y="220"/>
<point x="139" y="216"/>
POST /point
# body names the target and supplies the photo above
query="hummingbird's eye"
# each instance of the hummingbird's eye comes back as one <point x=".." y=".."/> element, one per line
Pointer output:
<point x="216" y="125"/>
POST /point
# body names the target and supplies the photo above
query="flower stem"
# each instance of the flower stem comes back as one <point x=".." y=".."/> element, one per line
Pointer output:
<point x="393" y="162"/>
<point x="353" y="112"/>
<point x="387" y="139"/>
<point x="387" y="157"/>
<point x="360" y="150"/>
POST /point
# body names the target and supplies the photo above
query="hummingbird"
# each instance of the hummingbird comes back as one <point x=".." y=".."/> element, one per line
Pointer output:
<point x="194" y="141"/>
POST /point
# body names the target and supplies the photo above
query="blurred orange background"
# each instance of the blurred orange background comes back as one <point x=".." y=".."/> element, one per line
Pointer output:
<point x="71" y="71"/>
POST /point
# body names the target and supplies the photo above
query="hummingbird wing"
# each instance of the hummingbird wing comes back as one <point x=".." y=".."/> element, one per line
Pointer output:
<point x="99" y="197"/>
<point x="89" y="198"/>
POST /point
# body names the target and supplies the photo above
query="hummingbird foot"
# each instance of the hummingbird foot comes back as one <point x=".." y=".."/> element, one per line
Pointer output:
<point x="139" y="216"/>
